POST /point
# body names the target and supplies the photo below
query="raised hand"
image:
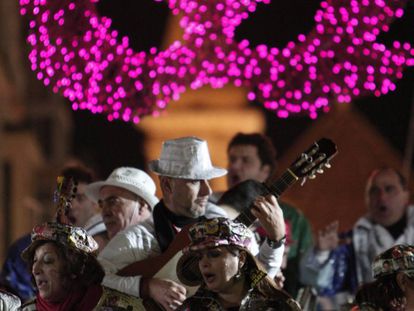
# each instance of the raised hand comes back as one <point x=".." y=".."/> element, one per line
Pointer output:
<point x="328" y="237"/>
<point x="270" y="216"/>
<point x="279" y="280"/>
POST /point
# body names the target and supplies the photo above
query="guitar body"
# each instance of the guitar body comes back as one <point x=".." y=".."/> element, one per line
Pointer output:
<point x="162" y="266"/>
<point x="168" y="271"/>
<point x="151" y="266"/>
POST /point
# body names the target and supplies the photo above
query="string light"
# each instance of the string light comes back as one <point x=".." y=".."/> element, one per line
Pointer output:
<point x="75" y="51"/>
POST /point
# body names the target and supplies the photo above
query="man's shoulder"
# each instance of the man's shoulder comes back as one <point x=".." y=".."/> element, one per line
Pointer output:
<point x="29" y="305"/>
<point x="139" y="229"/>
<point x="215" y="196"/>
<point x="129" y="238"/>
<point x="213" y="211"/>
<point x="9" y="301"/>
<point x="134" y="233"/>
<point x="362" y="224"/>
<point x="410" y="214"/>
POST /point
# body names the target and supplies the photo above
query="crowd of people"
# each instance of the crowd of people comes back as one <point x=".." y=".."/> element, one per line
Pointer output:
<point x="120" y="247"/>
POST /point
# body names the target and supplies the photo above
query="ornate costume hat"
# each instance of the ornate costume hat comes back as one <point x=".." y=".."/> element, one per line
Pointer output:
<point x="218" y="231"/>
<point x="399" y="258"/>
<point x="72" y="237"/>
<point x="209" y="234"/>
<point x="60" y="231"/>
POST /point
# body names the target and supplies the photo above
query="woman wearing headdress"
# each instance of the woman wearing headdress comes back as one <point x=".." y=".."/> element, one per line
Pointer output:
<point x="229" y="277"/>
<point x="66" y="273"/>
<point x="63" y="263"/>
<point x="393" y="288"/>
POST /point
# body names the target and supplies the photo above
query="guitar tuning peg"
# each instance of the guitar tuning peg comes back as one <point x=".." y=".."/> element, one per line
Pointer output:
<point x="319" y="171"/>
<point x="328" y="165"/>
<point x="312" y="176"/>
<point x="303" y="181"/>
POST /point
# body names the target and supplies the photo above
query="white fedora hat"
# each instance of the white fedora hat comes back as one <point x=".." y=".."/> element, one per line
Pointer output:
<point x="129" y="178"/>
<point x="186" y="158"/>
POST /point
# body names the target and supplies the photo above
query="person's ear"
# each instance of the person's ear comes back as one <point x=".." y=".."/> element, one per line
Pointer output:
<point x="165" y="184"/>
<point x="401" y="279"/>
<point x="242" y="259"/>
<point x="143" y="206"/>
<point x="265" y="171"/>
<point x="406" y="196"/>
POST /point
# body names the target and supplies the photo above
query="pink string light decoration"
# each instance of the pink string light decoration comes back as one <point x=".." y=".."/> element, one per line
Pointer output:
<point x="75" y="51"/>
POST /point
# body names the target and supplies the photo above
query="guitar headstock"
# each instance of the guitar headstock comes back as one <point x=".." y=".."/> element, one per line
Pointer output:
<point x="63" y="196"/>
<point x="314" y="159"/>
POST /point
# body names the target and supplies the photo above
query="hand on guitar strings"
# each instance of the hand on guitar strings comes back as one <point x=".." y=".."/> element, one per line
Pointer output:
<point x="279" y="279"/>
<point x="169" y="294"/>
<point x="328" y="237"/>
<point x="270" y="215"/>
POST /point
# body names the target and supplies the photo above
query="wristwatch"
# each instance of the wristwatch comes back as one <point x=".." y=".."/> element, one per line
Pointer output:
<point x="276" y="244"/>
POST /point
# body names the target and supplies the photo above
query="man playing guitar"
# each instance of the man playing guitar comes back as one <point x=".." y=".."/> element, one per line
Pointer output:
<point x="184" y="170"/>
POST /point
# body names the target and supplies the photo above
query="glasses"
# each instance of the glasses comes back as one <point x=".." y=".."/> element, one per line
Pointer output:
<point x="113" y="202"/>
<point x="80" y="197"/>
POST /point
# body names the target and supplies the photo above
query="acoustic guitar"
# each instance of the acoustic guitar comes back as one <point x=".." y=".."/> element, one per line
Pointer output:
<point x="306" y="166"/>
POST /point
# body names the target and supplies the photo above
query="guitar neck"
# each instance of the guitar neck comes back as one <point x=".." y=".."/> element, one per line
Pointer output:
<point x="276" y="188"/>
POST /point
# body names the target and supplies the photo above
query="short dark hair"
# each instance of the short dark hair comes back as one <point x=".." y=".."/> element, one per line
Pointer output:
<point x="401" y="177"/>
<point x="265" y="149"/>
<point x="380" y="294"/>
<point x="79" y="172"/>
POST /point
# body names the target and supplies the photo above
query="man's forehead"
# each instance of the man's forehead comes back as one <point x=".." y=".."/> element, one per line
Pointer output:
<point x="81" y="187"/>
<point x="386" y="176"/>
<point x="243" y="150"/>
<point x="107" y="191"/>
<point x="186" y="180"/>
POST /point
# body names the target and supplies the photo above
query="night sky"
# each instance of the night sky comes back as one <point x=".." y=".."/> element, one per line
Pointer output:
<point x="275" y="24"/>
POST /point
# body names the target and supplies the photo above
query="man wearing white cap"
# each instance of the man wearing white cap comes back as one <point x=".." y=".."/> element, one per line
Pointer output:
<point x="184" y="169"/>
<point x="126" y="198"/>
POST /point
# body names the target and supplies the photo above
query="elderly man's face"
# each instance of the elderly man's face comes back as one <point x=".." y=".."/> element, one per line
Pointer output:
<point x="244" y="163"/>
<point x="386" y="198"/>
<point x="121" y="209"/>
<point x="188" y="197"/>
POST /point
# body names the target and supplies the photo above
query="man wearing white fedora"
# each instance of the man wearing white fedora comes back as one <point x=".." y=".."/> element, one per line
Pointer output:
<point x="184" y="169"/>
